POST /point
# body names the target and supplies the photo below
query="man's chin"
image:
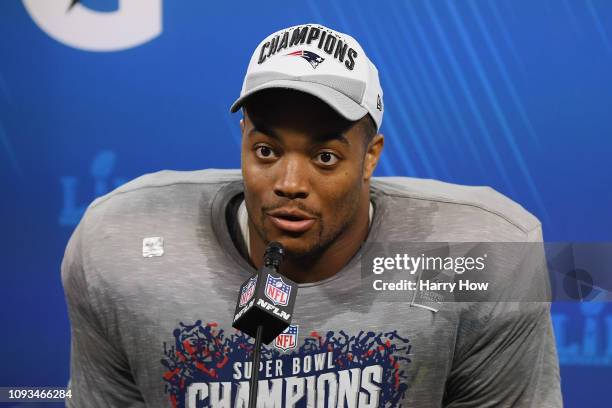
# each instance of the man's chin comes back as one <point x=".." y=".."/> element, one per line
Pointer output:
<point x="296" y="247"/>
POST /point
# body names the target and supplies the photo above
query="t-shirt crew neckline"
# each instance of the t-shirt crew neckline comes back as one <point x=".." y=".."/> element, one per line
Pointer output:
<point x="229" y="192"/>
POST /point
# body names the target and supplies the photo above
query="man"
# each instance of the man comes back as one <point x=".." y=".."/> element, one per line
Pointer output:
<point x="152" y="271"/>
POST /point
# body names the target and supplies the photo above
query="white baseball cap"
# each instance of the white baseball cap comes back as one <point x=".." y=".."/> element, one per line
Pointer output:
<point x="319" y="61"/>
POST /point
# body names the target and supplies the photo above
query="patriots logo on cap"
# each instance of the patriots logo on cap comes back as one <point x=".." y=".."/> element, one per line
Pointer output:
<point x="287" y="339"/>
<point x="247" y="291"/>
<point x="309" y="56"/>
<point x="277" y="291"/>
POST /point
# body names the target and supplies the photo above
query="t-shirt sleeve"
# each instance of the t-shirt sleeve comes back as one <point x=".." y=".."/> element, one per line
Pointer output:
<point x="505" y="355"/>
<point x="100" y="374"/>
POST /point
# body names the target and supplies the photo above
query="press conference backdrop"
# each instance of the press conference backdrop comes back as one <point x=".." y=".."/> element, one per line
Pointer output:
<point x="516" y="95"/>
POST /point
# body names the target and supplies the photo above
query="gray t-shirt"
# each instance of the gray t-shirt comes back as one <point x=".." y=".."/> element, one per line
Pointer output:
<point x="151" y="277"/>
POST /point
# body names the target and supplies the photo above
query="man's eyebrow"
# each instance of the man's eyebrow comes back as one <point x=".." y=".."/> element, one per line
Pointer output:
<point x="265" y="130"/>
<point x="321" y="139"/>
<point x="335" y="136"/>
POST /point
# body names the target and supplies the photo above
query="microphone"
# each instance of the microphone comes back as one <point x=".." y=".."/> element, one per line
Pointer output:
<point x="266" y="299"/>
<point x="264" y="308"/>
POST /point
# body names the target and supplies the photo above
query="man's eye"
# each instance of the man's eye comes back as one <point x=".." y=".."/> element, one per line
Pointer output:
<point x="264" y="152"/>
<point x="327" y="158"/>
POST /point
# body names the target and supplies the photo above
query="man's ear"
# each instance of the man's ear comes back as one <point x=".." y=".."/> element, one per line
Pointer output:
<point x="373" y="151"/>
<point x="243" y="120"/>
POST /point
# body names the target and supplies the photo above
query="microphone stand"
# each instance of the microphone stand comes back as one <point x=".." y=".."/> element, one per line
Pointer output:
<point x="272" y="261"/>
<point x="272" y="258"/>
<point x="253" y="382"/>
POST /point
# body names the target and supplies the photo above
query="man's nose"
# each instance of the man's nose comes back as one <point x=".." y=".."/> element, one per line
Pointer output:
<point x="292" y="181"/>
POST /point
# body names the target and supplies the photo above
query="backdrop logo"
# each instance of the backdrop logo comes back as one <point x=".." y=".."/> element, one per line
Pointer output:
<point x="585" y="341"/>
<point x="102" y="167"/>
<point x="135" y="22"/>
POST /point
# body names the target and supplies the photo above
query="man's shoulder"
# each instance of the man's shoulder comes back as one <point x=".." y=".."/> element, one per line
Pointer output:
<point x="154" y="183"/>
<point x="170" y="201"/>
<point x="472" y="202"/>
<point x="166" y="194"/>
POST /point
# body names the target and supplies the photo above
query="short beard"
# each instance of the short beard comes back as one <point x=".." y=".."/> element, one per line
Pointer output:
<point x="313" y="252"/>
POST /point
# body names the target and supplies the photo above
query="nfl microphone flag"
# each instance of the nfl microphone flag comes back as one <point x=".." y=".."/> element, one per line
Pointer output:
<point x="266" y="299"/>
<point x="264" y="309"/>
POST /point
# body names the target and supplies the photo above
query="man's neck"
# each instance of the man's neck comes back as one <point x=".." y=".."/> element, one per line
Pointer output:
<point x="321" y="265"/>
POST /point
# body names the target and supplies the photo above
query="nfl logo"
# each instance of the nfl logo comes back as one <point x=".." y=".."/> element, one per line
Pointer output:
<point x="277" y="291"/>
<point x="288" y="339"/>
<point x="247" y="291"/>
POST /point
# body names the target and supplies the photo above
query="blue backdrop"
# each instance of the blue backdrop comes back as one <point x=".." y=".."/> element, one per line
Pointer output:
<point x="512" y="94"/>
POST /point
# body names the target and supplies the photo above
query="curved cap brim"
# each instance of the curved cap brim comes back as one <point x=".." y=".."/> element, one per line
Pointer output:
<point x="345" y="106"/>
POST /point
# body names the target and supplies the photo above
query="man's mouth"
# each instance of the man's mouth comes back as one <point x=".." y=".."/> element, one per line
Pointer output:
<point x="291" y="220"/>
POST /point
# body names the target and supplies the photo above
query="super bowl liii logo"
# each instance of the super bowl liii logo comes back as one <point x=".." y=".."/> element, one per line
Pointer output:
<point x="586" y="341"/>
<point x="102" y="167"/>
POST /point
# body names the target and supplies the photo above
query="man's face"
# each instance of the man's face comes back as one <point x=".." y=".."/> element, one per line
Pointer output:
<point x="303" y="170"/>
